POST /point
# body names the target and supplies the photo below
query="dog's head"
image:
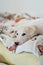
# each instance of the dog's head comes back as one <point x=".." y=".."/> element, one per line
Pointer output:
<point x="21" y="33"/>
<point x="24" y="33"/>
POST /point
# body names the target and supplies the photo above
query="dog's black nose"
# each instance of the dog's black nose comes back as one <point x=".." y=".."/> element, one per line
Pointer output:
<point x="16" y="43"/>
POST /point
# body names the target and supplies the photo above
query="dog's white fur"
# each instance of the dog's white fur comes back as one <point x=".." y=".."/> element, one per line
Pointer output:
<point x="30" y="27"/>
<point x="29" y="32"/>
<point x="37" y="22"/>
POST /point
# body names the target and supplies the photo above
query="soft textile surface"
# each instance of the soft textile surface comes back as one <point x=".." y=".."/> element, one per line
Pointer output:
<point x="19" y="59"/>
<point x="7" y="22"/>
<point x="31" y="46"/>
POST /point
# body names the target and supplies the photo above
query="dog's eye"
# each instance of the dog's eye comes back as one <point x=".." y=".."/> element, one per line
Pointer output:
<point x="23" y="34"/>
<point x="12" y="31"/>
<point x="17" y="33"/>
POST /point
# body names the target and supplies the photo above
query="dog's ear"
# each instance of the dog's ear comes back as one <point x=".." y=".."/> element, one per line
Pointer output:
<point x="33" y="30"/>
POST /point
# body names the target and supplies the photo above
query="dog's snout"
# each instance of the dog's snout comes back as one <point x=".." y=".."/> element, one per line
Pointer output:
<point x="16" y="43"/>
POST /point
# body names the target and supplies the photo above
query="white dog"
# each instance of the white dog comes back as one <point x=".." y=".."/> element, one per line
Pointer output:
<point x="21" y="33"/>
<point x="24" y="33"/>
<point x="25" y="30"/>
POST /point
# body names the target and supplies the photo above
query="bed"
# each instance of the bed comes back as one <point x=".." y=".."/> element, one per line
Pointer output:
<point x="17" y="59"/>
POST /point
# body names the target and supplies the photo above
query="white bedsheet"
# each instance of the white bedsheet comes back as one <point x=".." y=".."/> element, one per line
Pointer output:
<point x="30" y="46"/>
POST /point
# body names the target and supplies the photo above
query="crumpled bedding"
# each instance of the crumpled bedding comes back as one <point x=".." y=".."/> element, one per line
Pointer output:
<point x="18" y="59"/>
<point x="31" y="46"/>
<point x="5" y="24"/>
